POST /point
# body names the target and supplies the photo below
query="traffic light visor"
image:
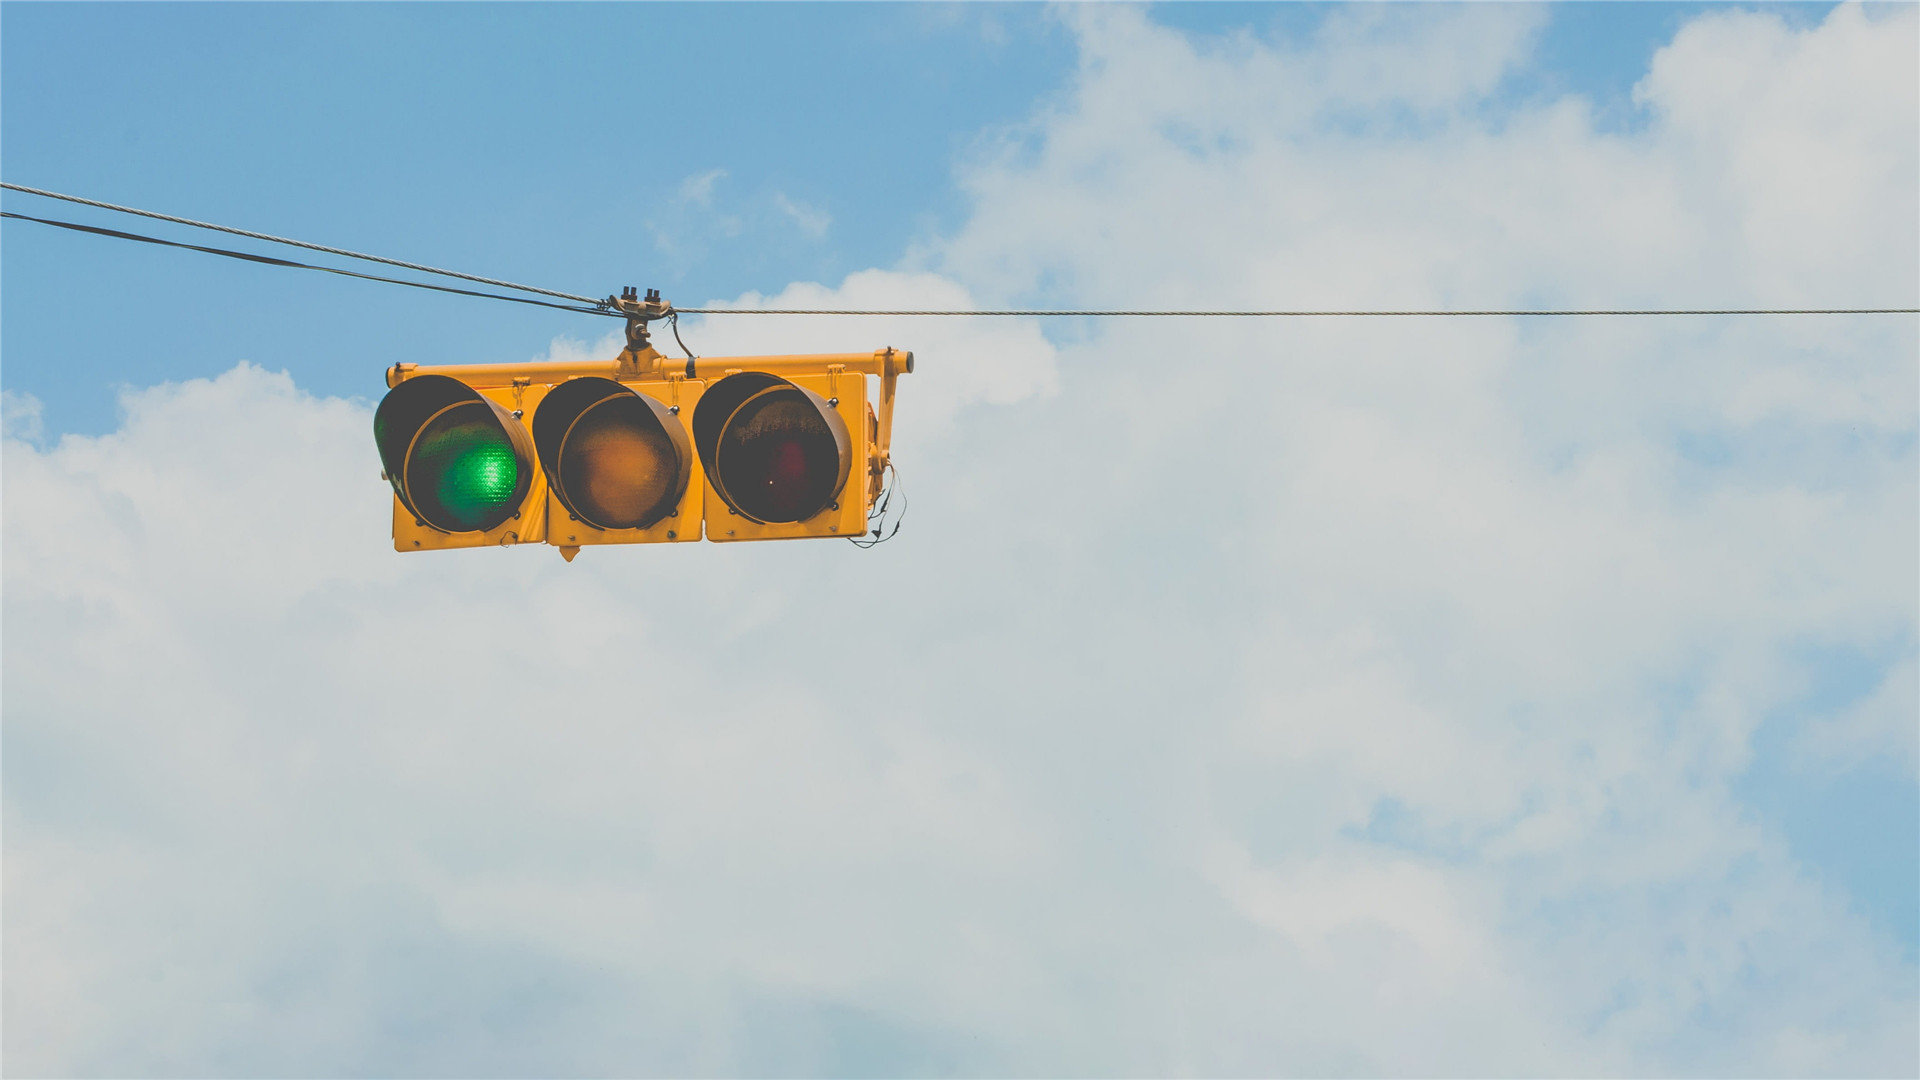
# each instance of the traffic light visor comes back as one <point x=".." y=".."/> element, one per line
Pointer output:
<point x="776" y="452"/>
<point x="459" y="462"/>
<point x="616" y="459"/>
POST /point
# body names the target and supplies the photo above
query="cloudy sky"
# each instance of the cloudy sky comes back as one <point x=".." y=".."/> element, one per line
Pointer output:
<point x="1323" y="697"/>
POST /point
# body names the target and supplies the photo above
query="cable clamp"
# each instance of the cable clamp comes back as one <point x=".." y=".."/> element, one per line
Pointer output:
<point x="639" y="313"/>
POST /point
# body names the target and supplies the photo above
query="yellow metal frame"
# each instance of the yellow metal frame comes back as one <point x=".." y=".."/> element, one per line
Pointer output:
<point x="520" y="387"/>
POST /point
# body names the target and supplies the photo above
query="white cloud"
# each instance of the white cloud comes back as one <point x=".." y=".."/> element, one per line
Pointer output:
<point x="573" y="350"/>
<point x="1801" y="145"/>
<point x="807" y="219"/>
<point x="1878" y="726"/>
<point x="698" y="188"/>
<point x="693" y="219"/>
<point x="21" y="415"/>
<point x="699" y="215"/>
<point x="1239" y="698"/>
<point x="957" y="362"/>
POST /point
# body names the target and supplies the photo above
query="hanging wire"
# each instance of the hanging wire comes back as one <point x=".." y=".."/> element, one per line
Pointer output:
<point x="673" y="323"/>
<point x="593" y="306"/>
<point x="877" y="517"/>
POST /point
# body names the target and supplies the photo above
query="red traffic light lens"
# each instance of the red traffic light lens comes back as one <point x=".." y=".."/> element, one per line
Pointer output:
<point x="776" y="452"/>
<point x="777" y="458"/>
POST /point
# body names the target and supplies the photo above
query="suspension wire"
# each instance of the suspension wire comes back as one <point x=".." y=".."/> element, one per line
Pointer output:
<point x="1194" y="313"/>
<point x="269" y="260"/>
<point x="601" y="307"/>
<point x="298" y="243"/>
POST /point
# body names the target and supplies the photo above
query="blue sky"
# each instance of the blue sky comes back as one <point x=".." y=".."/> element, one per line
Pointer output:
<point x="1492" y="697"/>
<point x="560" y="166"/>
<point x="434" y="135"/>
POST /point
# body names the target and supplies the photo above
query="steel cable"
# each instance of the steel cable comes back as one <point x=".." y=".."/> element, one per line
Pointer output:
<point x="271" y="261"/>
<point x="595" y="306"/>
<point x="1192" y="313"/>
<point x="300" y="244"/>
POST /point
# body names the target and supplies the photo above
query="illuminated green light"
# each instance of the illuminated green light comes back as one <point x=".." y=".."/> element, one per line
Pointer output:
<point x="482" y="478"/>
<point x="470" y="468"/>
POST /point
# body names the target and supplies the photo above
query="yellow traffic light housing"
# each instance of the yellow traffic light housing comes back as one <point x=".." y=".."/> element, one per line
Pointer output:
<point x="639" y="449"/>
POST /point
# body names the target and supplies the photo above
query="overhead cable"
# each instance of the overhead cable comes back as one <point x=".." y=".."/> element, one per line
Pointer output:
<point x="1192" y="313"/>
<point x="592" y="306"/>
<point x="299" y="243"/>
<point x="271" y="261"/>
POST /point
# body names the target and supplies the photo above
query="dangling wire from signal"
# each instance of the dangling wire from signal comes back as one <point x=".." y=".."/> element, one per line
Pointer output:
<point x="673" y="324"/>
<point x="877" y="517"/>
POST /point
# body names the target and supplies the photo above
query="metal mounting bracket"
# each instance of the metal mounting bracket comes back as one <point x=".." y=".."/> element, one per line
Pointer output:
<point x="639" y="313"/>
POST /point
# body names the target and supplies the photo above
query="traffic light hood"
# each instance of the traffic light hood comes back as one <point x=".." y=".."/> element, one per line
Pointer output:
<point x="775" y="452"/>
<point x="614" y="458"/>
<point x="457" y="461"/>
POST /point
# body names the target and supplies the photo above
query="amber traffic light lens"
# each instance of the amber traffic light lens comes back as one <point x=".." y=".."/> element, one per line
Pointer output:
<point x="619" y="468"/>
<point x="617" y="459"/>
<point x="778" y="460"/>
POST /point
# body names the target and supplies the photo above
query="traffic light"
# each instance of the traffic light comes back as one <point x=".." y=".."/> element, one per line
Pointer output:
<point x="462" y="467"/>
<point x="779" y="453"/>
<point x="619" y="464"/>
<point x="639" y="449"/>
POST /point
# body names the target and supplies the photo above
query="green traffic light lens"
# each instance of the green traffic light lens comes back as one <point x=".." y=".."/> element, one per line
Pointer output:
<point x="463" y="472"/>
